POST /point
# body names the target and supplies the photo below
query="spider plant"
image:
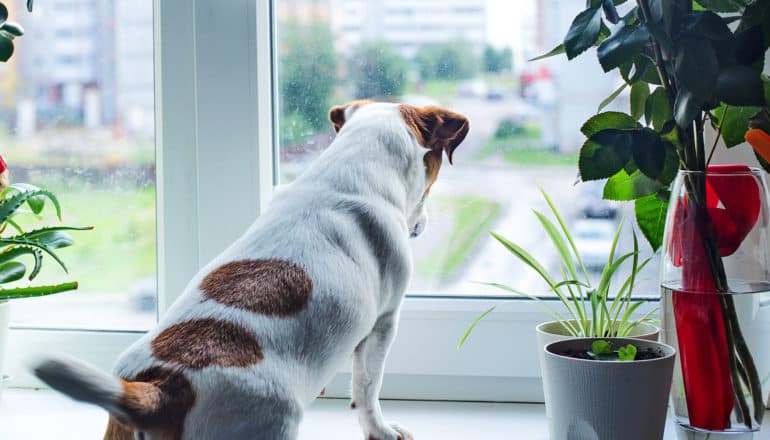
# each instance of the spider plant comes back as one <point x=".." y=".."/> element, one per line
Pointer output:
<point x="588" y="310"/>
<point x="16" y="202"/>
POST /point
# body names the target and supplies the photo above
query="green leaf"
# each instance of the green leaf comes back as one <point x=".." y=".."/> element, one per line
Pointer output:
<point x="9" y="205"/>
<point x="735" y="123"/>
<point x="686" y="108"/>
<point x="696" y="67"/>
<point x="724" y="5"/>
<point x="558" y="50"/>
<point x="624" y="186"/>
<point x="657" y="108"/>
<point x="622" y="46"/>
<point x="472" y="326"/>
<point x="29" y="5"/>
<point x="14" y="252"/>
<point x="648" y="151"/>
<point x="35" y="291"/>
<point x="670" y="164"/>
<point x="707" y="24"/>
<point x="11" y="271"/>
<point x="639" y="93"/>
<point x="12" y="28"/>
<point x="603" y="121"/>
<point x="601" y="347"/>
<point x="583" y="32"/>
<point x="6" y="48"/>
<point x="739" y="86"/>
<point x="3" y="13"/>
<point x="750" y="45"/>
<point x="604" y="154"/>
<point x="651" y="218"/>
<point x="610" y="12"/>
<point x="606" y="101"/>
<point x="627" y="353"/>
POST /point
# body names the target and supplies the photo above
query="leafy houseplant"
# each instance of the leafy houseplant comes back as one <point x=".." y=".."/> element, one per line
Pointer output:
<point x="19" y="243"/>
<point x="688" y="64"/>
<point x="590" y="311"/>
<point x="597" y="391"/>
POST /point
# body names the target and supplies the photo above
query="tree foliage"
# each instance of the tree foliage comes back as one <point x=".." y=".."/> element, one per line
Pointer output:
<point x="497" y="60"/>
<point x="307" y="71"/>
<point x="450" y="61"/>
<point x="377" y="70"/>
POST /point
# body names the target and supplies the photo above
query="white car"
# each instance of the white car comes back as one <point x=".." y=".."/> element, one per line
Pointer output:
<point x="593" y="239"/>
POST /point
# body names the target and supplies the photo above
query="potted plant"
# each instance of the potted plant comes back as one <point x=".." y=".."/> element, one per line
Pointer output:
<point x="21" y="206"/>
<point x="588" y="310"/>
<point x="690" y="65"/>
<point x="609" y="388"/>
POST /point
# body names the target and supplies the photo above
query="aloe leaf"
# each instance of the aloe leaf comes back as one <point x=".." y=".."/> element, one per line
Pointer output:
<point x="14" y="252"/>
<point x="43" y="247"/>
<point x="35" y="291"/>
<point x="11" y="271"/>
<point x="472" y="326"/>
<point x="12" y="203"/>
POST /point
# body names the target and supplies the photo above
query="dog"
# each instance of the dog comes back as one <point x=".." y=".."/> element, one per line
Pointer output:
<point x="319" y="276"/>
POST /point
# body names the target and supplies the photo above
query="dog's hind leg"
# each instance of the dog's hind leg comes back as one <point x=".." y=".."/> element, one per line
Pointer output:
<point x="368" y="367"/>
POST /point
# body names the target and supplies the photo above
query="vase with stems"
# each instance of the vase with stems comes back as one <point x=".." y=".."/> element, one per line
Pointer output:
<point x="715" y="266"/>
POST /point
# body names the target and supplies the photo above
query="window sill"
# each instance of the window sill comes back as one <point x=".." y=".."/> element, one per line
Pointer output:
<point x="28" y="414"/>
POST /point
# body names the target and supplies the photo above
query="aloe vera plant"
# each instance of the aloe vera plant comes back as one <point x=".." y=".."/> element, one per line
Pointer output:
<point x="589" y="311"/>
<point x="18" y="243"/>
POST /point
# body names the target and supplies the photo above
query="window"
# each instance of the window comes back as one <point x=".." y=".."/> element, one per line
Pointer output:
<point x="88" y="135"/>
<point x="226" y="136"/>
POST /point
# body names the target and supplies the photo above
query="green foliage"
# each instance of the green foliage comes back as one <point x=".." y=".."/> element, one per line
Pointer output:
<point x="377" y="70"/>
<point x="451" y="60"/>
<point x="496" y="61"/>
<point x="601" y="347"/>
<point x="308" y="70"/>
<point x="508" y="128"/>
<point x="293" y="129"/>
<point x="590" y="310"/>
<point x="685" y="64"/>
<point x="602" y="350"/>
<point x="16" y="241"/>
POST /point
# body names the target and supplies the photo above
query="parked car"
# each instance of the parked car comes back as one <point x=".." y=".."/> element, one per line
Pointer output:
<point x="593" y="237"/>
<point x="591" y="203"/>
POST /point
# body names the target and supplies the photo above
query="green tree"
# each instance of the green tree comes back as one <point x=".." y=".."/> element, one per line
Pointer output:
<point x="377" y="70"/>
<point x="496" y="61"/>
<point x="308" y="70"/>
<point x="451" y="61"/>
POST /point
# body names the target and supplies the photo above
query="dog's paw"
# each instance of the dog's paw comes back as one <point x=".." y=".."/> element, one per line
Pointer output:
<point x="392" y="432"/>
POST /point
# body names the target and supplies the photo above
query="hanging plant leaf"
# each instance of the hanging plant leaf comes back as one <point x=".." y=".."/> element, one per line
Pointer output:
<point x="608" y="100"/>
<point x="610" y="12"/>
<point x="706" y="24"/>
<point x="640" y="91"/>
<point x="12" y="28"/>
<point x="724" y="5"/>
<point x="734" y="122"/>
<point x="558" y="50"/>
<point x="739" y="86"/>
<point x="604" y="154"/>
<point x="749" y="45"/>
<point x="696" y="67"/>
<point x="651" y="218"/>
<point x="3" y="13"/>
<point x="624" y="186"/>
<point x="606" y="120"/>
<point x="6" y="48"/>
<point x="648" y="151"/>
<point x="622" y="46"/>
<point x="583" y="32"/>
<point x="657" y="108"/>
<point x="29" y="5"/>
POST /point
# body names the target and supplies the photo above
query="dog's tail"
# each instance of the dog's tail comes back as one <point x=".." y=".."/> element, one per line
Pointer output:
<point x="148" y="404"/>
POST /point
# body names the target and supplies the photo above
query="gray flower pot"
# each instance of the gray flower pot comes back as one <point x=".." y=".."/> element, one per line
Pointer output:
<point x="607" y="400"/>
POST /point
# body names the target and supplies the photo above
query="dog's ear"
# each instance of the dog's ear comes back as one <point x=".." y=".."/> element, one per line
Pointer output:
<point x="436" y="128"/>
<point x="339" y="114"/>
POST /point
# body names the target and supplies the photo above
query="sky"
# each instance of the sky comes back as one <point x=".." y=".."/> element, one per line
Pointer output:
<point x="504" y="18"/>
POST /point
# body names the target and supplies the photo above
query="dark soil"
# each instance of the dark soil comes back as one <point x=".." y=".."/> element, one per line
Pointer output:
<point x="641" y="355"/>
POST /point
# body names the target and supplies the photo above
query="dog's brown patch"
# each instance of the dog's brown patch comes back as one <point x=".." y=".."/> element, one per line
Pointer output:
<point x="201" y="343"/>
<point x="432" y="161"/>
<point x="270" y="287"/>
<point x="118" y="431"/>
<point x="436" y="128"/>
<point x="337" y="113"/>
<point x="157" y="401"/>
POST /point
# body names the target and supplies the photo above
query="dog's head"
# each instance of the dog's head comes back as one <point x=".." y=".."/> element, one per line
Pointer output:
<point x="432" y="131"/>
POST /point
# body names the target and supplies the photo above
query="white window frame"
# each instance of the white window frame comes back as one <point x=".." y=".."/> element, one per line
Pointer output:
<point x="215" y="89"/>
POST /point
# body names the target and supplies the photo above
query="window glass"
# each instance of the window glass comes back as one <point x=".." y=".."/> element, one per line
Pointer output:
<point x="470" y="56"/>
<point x="76" y="99"/>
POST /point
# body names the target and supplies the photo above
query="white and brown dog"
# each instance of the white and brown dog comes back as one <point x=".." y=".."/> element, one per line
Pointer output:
<point x="319" y="276"/>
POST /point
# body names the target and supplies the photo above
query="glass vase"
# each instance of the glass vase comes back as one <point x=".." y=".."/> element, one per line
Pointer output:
<point x="714" y="277"/>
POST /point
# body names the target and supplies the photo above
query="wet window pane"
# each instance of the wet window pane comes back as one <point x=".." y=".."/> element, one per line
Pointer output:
<point x="470" y="56"/>
<point x="77" y="101"/>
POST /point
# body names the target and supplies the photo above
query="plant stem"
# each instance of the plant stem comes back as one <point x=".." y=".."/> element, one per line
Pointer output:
<point x="719" y="133"/>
